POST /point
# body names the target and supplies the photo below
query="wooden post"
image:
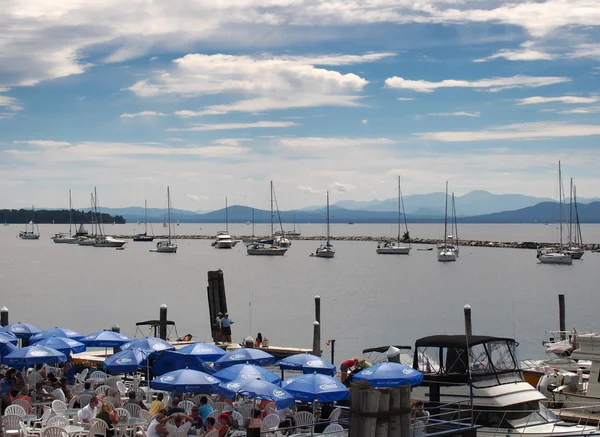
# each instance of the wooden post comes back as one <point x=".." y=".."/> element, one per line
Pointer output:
<point x="468" y="324"/>
<point x="384" y="407"/>
<point x="3" y="316"/>
<point x="369" y="403"/>
<point x="394" y="424"/>
<point x="217" y="300"/>
<point x="562" y="325"/>
<point x="405" y="425"/>
<point x="317" y="332"/>
<point x="316" y="343"/>
<point x="163" y="322"/>
<point x="356" y="390"/>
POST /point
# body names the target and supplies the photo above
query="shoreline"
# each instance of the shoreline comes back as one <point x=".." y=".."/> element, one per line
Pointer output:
<point x="424" y="241"/>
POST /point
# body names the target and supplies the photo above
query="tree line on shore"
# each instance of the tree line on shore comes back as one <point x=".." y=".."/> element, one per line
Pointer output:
<point x="54" y="216"/>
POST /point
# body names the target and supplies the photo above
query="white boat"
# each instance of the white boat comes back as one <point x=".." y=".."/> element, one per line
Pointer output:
<point x="99" y="237"/>
<point x="483" y="371"/>
<point x="448" y="250"/>
<point x="168" y="246"/>
<point x="62" y="237"/>
<point x="397" y="247"/>
<point x="575" y="246"/>
<point x="32" y="230"/>
<point x="266" y="248"/>
<point x="108" y="241"/>
<point x="326" y="250"/>
<point x="223" y="240"/>
<point x="293" y="233"/>
<point x="282" y="241"/>
<point x="85" y="241"/>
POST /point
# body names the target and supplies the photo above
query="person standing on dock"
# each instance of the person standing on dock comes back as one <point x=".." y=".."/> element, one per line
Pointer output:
<point x="218" y="328"/>
<point x="346" y="366"/>
<point x="226" y="327"/>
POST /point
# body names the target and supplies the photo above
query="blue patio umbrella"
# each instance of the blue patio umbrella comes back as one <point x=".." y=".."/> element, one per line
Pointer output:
<point x="126" y="361"/>
<point x="105" y="339"/>
<point x="308" y="364"/>
<point x="8" y="337"/>
<point x="169" y="361"/>
<point x="185" y="381"/>
<point x="31" y="355"/>
<point x="247" y="371"/>
<point x="6" y="348"/>
<point x="150" y="345"/>
<point x="207" y="352"/>
<point x="387" y="374"/>
<point x="256" y="389"/>
<point x="56" y="332"/>
<point x="21" y="330"/>
<point x="64" y="345"/>
<point x="249" y="356"/>
<point x="316" y="387"/>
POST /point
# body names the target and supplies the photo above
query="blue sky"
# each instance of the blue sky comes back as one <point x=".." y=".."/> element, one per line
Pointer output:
<point x="217" y="98"/>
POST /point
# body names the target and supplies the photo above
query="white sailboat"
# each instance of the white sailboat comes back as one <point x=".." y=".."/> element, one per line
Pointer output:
<point x="292" y="233"/>
<point x="84" y="238"/>
<point x="223" y="240"/>
<point x="396" y="247"/>
<point x="556" y="254"/>
<point x="103" y="240"/>
<point x="144" y="237"/>
<point x="326" y="249"/>
<point x="32" y="230"/>
<point x="62" y="237"/>
<point x="448" y="250"/>
<point x="168" y="246"/>
<point x="266" y="248"/>
<point x="575" y="246"/>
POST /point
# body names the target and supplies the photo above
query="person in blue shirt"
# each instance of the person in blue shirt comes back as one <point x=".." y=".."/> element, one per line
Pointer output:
<point x="226" y="327"/>
<point x="204" y="409"/>
<point x="8" y="381"/>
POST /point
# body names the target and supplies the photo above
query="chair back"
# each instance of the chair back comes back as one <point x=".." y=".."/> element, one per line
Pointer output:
<point x="144" y="414"/>
<point x="271" y="410"/>
<point x="122" y="413"/>
<point x="304" y="419"/>
<point x="220" y="406"/>
<point x="84" y="399"/>
<point x="102" y="390"/>
<point x="335" y="415"/>
<point x="187" y="406"/>
<point x="58" y="421"/>
<point x="214" y="414"/>
<point x="54" y="431"/>
<point x="33" y="378"/>
<point x="237" y="417"/>
<point x="11" y="422"/>
<point x="82" y="375"/>
<point x="121" y="387"/>
<point x="271" y="422"/>
<point x="112" y="381"/>
<point x="271" y="405"/>
<point x="98" y="427"/>
<point x="334" y="429"/>
<point x="24" y="431"/>
<point x="56" y="370"/>
<point x="98" y="375"/>
<point x="58" y="405"/>
<point x="213" y="433"/>
<point x="47" y="414"/>
<point x="74" y="400"/>
<point x="77" y="388"/>
<point x="23" y="403"/>
<point x="15" y="410"/>
<point x="246" y="411"/>
<point x="134" y="409"/>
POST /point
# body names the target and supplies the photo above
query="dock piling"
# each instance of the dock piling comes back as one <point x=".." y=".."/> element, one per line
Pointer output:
<point x="316" y="340"/>
<point x="115" y="328"/>
<point x="3" y="316"/>
<point x="162" y="329"/>
<point x="317" y="331"/>
<point x="562" y="325"/>
<point x="468" y="324"/>
<point x="217" y="301"/>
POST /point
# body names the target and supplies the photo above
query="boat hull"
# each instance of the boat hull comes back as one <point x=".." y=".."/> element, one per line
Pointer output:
<point x="394" y="250"/>
<point x="143" y="238"/>
<point x="325" y="253"/>
<point x="446" y="256"/>
<point x="109" y="242"/>
<point x="223" y="244"/>
<point x="65" y="240"/>
<point x="576" y="254"/>
<point x="556" y="258"/>
<point x="29" y="237"/>
<point x="166" y="249"/>
<point x="268" y="251"/>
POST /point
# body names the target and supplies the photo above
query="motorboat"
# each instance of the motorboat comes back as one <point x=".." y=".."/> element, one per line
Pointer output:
<point x="326" y="249"/>
<point x="108" y="241"/>
<point x="85" y="241"/>
<point x="448" y="250"/>
<point x="397" y="247"/>
<point x="223" y="240"/>
<point x="482" y="371"/>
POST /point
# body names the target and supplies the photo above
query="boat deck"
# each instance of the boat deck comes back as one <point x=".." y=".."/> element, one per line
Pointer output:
<point x="578" y="416"/>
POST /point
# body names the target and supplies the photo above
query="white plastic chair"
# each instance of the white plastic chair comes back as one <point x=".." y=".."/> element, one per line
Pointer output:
<point x="220" y="406"/>
<point x="54" y="431"/>
<point x="102" y="390"/>
<point x="58" y="421"/>
<point x="134" y="409"/>
<point x="304" y="420"/>
<point x="83" y="399"/>
<point x="98" y="375"/>
<point x="112" y="381"/>
<point x="187" y="406"/>
<point x="246" y="411"/>
<point x="43" y="421"/>
<point x="77" y="388"/>
<point x="238" y="418"/>
<point x="213" y="433"/>
<point x="271" y="422"/>
<point x="80" y="377"/>
<point x="122" y="413"/>
<point x="58" y="405"/>
<point x="121" y="387"/>
<point x="99" y="427"/>
<point x="23" y="403"/>
<point x="144" y="414"/>
<point x="334" y="429"/>
<point x="215" y="414"/>
<point x="26" y="432"/>
<point x="335" y="415"/>
<point x="15" y="410"/>
<point x="11" y="424"/>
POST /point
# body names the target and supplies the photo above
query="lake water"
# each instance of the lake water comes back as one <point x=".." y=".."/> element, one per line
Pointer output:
<point x="367" y="299"/>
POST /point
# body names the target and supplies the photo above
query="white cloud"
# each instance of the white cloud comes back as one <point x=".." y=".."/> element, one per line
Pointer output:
<point x="154" y="58"/>
<point x="342" y="188"/>
<point x="405" y="98"/>
<point x="230" y="126"/>
<point x="7" y="101"/>
<point x="492" y="84"/>
<point x="197" y="198"/>
<point x="588" y="110"/>
<point x="331" y="142"/>
<point x="527" y="52"/>
<point x="570" y="100"/>
<point x="454" y="114"/>
<point x="586" y="51"/>
<point x="522" y="131"/>
<point x="307" y="189"/>
<point x="143" y="114"/>
<point x="365" y="121"/>
<point x="44" y="143"/>
<point x="338" y="60"/>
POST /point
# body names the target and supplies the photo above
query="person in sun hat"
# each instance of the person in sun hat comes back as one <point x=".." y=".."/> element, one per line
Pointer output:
<point x="225" y="422"/>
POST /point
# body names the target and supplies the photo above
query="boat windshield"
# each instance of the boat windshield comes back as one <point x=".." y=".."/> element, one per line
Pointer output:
<point x="519" y="416"/>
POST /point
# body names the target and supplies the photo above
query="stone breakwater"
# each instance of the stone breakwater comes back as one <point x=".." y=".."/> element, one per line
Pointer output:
<point x="424" y="241"/>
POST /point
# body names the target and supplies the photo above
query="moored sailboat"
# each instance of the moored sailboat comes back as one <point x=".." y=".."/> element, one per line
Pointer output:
<point x="266" y="248"/>
<point x="62" y="237"/>
<point x="396" y="247"/>
<point x="223" y="240"/>
<point x="575" y="246"/>
<point x="448" y="250"/>
<point x="326" y="250"/>
<point x="144" y="237"/>
<point x="168" y="246"/>
<point x="32" y="230"/>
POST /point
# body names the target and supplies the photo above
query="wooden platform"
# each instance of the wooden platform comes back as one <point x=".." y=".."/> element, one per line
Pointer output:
<point x="578" y="417"/>
<point x="96" y="357"/>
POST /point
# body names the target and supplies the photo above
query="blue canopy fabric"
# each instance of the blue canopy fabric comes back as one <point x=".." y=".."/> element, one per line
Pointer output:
<point x="64" y="345"/>
<point x="6" y="348"/>
<point x="31" y="355"/>
<point x="256" y="389"/>
<point x="8" y="337"/>
<point x="21" y="330"/>
<point x="308" y="364"/>
<point x="246" y="371"/>
<point x="207" y="352"/>
<point x="56" y="332"/>
<point x="105" y="339"/>
<point x="150" y="345"/>
<point x="322" y="388"/>
<point x="169" y="361"/>
<point x="387" y="374"/>
<point x="126" y="361"/>
<point x="185" y="381"/>
<point x="249" y="356"/>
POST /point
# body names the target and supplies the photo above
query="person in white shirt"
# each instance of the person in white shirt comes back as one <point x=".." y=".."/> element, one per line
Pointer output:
<point x="157" y="426"/>
<point x="89" y="411"/>
<point x="180" y="426"/>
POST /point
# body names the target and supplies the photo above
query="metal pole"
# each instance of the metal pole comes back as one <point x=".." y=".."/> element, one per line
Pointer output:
<point x="316" y="341"/>
<point x="163" y="322"/>
<point x="332" y="351"/>
<point x="468" y="334"/>
<point x="317" y="337"/>
<point x="3" y="316"/>
<point x="468" y="324"/>
<point x="561" y="316"/>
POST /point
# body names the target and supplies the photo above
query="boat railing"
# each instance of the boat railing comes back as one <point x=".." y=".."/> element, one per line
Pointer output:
<point x="444" y="419"/>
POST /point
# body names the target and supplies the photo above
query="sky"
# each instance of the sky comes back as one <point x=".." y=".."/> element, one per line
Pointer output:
<point x="216" y="98"/>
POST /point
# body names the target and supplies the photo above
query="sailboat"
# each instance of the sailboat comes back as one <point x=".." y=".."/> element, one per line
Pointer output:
<point x="448" y="250"/>
<point x="326" y="250"/>
<point x="396" y="247"/>
<point x="168" y="246"/>
<point x="292" y="233"/>
<point x="575" y="246"/>
<point x="84" y="238"/>
<point x="223" y="239"/>
<point x="556" y="255"/>
<point x="144" y="236"/>
<point x="101" y="239"/>
<point x="63" y="237"/>
<point x="32" y="230"/>
<point x="5" y="222"/>
<point x="267" y="248"/>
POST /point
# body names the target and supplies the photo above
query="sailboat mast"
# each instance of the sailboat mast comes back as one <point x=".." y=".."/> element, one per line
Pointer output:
<point x="446" y="217"/>
<point x="70" y="215"/>
<point x="571" y="212"/>
<point x="560" y="204"/>
<point x="145" y="216"/>
<point x="169" y="211"/>
<point x="252" y="222"/>
<point x="327" y="218"/>
<point x="399" y="211"/>
<point x="226" y="217"/>
<point x="578" y="237"/>
<point x="454" y="225"/>
<point x="271" y="210"/>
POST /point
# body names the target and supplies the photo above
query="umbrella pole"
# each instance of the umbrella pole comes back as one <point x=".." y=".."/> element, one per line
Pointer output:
<point x="312" y="427"/>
